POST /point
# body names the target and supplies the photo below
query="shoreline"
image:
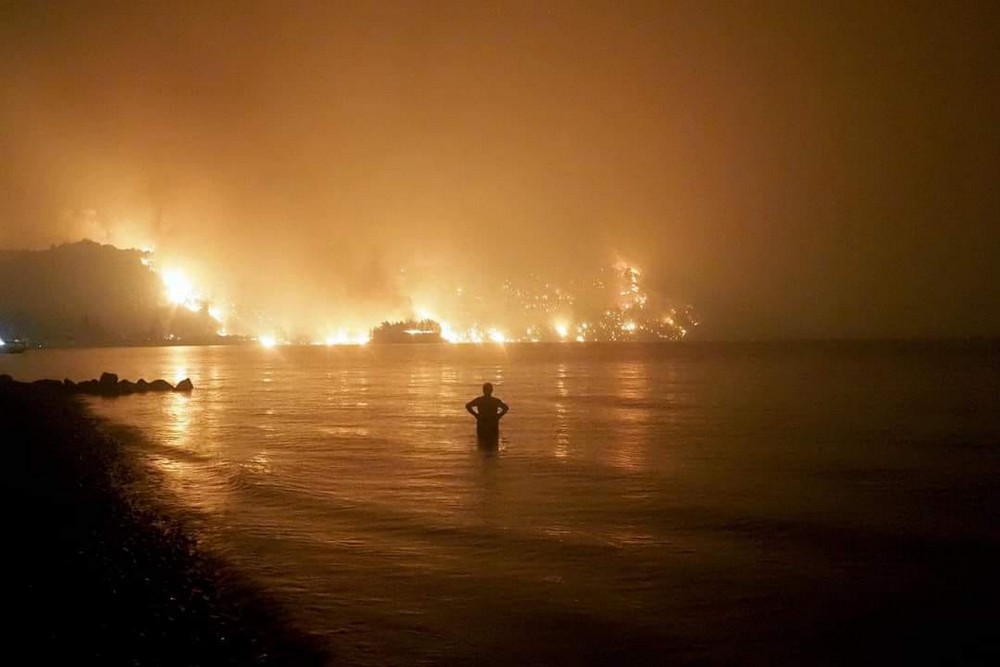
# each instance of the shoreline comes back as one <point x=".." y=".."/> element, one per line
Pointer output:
<point x="102" y="571"/>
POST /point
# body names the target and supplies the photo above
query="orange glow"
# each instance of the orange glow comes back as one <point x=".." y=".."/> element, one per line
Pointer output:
<point x="538" y="311"/>
<point x="343" y="337"/>
<point x="179" y="288"/>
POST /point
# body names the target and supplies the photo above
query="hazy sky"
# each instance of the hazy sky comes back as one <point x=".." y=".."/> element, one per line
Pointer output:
<point x="790" y="168"/>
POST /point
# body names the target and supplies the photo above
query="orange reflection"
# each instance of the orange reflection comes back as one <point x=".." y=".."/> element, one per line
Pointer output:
<point x="562" y="413"/>
<point x="627" y="450"/>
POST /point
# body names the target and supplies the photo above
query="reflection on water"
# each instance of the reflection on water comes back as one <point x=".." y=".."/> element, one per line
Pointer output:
<point x="178" y="411"/>
<point x="627" y="482"/>
<point x="562" y="413"/>
<point x="632" y="414"/>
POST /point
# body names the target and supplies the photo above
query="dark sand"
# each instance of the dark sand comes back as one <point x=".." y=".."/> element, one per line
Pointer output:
<point x="98" y="573"/>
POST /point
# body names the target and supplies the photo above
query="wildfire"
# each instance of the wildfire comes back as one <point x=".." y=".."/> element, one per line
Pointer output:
<point x="343" y="337"/>
<point x="613" y="307"/>
<point x="180" y="290"/>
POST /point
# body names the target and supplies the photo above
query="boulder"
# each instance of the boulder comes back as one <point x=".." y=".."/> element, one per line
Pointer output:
<point x="184" y="385"/>
<point x="160" y="385"/>
<point x="88" y="387"/>
<point x="49" y="384"/>
<point x="125" y="387"/>
<point x="141" y="385"/>
<point x="69" y="384"/>
<point x="108" y="384"/>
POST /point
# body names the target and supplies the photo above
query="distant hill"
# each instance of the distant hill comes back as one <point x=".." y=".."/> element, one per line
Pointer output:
<point x="88" y="294"/>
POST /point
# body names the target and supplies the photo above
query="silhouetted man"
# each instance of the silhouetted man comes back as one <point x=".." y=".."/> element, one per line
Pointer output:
<point x="487" y="410"/>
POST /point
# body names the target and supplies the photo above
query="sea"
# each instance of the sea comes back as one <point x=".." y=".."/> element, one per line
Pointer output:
<point x="647" y="504"/>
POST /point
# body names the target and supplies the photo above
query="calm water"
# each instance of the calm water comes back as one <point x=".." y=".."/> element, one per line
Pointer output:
<point x="647" y="505"/>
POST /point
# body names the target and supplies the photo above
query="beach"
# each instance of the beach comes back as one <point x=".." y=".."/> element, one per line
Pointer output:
<point x="99" y="572"/>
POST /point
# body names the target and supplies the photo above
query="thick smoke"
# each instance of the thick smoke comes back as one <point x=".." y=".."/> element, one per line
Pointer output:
<point x="789" y="172"/>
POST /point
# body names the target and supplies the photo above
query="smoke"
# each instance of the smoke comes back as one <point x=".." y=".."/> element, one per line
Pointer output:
<point x="342" y="161"/>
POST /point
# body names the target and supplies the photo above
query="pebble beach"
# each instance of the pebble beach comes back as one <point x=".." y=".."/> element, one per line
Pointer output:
<point x="99" y="572"/>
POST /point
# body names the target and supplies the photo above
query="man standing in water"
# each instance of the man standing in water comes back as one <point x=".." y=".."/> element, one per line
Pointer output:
<point x="487" y="410"/>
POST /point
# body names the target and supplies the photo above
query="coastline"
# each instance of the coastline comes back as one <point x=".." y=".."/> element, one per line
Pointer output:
<point x="99" y="571"/>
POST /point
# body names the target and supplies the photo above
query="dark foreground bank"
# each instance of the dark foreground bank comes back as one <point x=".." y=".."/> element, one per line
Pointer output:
<point x="96" y="574"/>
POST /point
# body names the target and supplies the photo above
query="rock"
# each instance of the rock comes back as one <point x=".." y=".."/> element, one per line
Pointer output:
<point x="108" y="384"/>
<point x="6" y="379"/>
<point x="50" y="384"/>
<point x="89" y="387"/>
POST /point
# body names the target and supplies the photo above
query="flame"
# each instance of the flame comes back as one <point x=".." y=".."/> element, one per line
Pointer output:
<point x="449" y="334"/>
<point x="178" y="286"/>
<point x="340" y="338"/>
<point x="343" y="337"/>
<point x="180" y="290"/>
<point x="621" y="310"/>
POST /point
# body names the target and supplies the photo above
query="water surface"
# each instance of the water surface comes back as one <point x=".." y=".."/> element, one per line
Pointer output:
<point x="648" y="504"/>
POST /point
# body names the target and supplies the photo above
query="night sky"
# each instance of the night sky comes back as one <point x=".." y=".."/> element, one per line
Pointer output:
<point x="790" y="168"/>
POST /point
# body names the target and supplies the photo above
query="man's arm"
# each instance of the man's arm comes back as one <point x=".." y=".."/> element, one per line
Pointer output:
<point x="503" y="409"/>
<point x="471" y="404"/>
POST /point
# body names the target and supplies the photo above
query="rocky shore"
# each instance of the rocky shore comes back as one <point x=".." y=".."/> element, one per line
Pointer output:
<point x="109" y="385"/>
<point x="99" y="573"/>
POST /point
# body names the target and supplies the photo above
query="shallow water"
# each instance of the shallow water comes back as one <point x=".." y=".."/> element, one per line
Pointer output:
<point x="647" y="503"/>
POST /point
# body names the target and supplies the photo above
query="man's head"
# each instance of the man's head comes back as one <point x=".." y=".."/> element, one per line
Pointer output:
<point x="487" y="389"/>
